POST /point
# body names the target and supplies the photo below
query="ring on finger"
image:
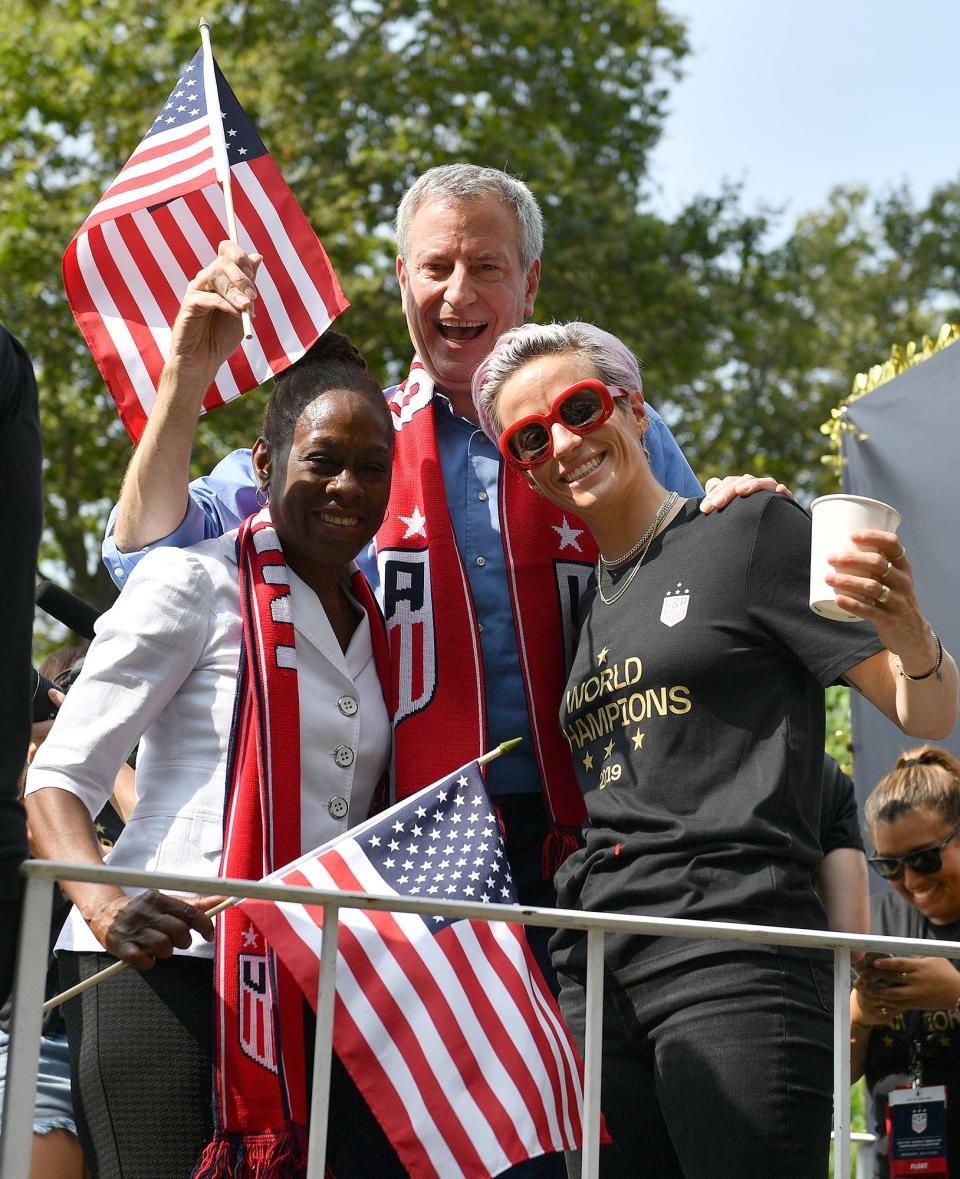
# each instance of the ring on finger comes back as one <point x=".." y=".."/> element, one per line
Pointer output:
<point x="883" y="595"/>
<point x="899" y="556"/>
<point x="883" y="575"/>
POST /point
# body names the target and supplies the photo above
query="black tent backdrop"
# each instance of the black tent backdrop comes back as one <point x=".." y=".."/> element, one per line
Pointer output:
<point x="905" y="450"/>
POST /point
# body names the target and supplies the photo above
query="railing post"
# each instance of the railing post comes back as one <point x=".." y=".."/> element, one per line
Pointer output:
<point x="323" y="1044"/>
<point x="25" y="1028"/>
<point x="593" y="1056"/>
<point x="841" y="1064"/>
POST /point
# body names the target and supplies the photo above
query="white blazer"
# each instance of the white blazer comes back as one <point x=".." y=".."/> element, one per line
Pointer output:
<point x="162" y="670"/>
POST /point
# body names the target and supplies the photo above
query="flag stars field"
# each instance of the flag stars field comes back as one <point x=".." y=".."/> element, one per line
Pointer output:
<point x="449" y="844"/>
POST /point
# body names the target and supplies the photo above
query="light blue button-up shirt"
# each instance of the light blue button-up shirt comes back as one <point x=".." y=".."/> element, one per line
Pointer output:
<point x="471" y="467"/>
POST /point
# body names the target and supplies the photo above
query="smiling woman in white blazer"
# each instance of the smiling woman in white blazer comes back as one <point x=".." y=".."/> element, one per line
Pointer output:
<point x="163" y="672"/>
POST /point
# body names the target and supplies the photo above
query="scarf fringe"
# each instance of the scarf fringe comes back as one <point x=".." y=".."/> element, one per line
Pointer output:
<point x="273" y="1154"/>
<point x="560" y="843"/>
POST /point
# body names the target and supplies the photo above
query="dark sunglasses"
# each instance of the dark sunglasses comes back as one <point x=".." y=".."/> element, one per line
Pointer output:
<point x="581" y="408"/>
<point x="925" y="860"/>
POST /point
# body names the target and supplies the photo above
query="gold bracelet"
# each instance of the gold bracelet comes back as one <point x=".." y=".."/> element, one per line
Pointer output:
<point x="933" y="670"/>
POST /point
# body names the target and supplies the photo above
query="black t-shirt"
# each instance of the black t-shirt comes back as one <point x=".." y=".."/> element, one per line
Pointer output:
<point x="695" y="714"/>
<point x="887" y="1063"/>
<point x="839" y="821"/>
<point x="20" y="522"/>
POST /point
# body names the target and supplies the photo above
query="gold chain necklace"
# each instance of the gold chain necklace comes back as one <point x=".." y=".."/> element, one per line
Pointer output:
<point x="634" y="549"/>
<point x="648" y="536"/>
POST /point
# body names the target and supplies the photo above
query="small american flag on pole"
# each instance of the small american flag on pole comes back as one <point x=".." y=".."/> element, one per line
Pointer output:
<point x="446" y="1026"/>
<point x="160" y="222"/>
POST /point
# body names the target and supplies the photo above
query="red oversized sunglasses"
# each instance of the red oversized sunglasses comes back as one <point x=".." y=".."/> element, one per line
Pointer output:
<point x="581" y="408"/>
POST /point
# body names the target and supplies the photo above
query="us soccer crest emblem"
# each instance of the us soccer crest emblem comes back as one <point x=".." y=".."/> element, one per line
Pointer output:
<point x="918" y="1120"/>
<point x="675" y="605"/>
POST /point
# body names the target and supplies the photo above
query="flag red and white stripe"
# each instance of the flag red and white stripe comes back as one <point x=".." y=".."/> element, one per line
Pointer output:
<point x="160" y="222"/>
<point x="446" y="1026"/>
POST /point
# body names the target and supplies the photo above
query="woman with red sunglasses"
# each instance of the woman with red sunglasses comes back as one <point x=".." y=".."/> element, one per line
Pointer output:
<point x="694" y="712"/>
<point x="904" y="1011"/>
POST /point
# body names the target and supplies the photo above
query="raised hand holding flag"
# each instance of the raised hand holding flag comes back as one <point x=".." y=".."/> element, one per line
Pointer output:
<point x="160" y="222"/>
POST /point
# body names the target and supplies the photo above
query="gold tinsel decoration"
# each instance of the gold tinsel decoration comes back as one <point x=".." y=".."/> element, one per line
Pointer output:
<point x="900" y="360"/>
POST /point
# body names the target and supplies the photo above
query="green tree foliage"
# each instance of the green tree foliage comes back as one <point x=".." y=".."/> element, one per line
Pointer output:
<point x="354" y="99"/>
<point x="796" y="322"/>
<point x="838" y="742"/>
<point x="747" y="347"/>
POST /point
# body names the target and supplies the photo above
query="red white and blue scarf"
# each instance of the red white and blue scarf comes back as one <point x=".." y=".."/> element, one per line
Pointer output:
<point x="260" y="1099"/>
<point x="432" y="626"/>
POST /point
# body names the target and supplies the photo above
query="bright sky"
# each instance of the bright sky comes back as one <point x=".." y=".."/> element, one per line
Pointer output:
<point x="795" y="96"/>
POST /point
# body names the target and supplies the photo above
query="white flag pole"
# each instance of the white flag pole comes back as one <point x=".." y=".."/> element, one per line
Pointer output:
<point x="221" y="160"/>
<point x="116" y="967"/>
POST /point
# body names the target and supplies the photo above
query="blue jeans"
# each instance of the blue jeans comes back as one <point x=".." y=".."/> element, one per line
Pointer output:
<point x="53" y="1109"/>
<point x="718" y="1068"/>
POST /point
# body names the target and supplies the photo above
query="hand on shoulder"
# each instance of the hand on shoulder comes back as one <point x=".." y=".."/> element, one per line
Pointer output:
<point x="721" y="492"/>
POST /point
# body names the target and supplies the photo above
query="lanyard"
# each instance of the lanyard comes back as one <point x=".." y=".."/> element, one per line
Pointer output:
<point x="916" y="1063"/>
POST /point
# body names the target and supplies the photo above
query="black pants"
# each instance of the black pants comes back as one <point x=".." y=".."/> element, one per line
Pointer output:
<point x="142" y="1080"/>
<point x="141" y="1065"/>
<point x="719" y="1068"/>
<point x="525" y="822"/>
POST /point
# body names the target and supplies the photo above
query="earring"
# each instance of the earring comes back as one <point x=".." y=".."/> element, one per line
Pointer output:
<point x="262" y="492"/>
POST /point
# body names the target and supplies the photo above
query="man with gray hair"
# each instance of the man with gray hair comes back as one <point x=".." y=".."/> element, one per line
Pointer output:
<point x="493" y="223"/>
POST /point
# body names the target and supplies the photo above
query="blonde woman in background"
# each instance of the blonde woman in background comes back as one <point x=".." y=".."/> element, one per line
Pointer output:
<point x="904" y="1011"/>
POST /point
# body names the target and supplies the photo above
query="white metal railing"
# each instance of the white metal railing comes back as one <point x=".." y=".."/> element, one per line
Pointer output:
<point x="34" y="944"/>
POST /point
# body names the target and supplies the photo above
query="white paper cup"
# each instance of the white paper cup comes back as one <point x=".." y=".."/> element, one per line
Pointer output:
<point x="835" y="518"/>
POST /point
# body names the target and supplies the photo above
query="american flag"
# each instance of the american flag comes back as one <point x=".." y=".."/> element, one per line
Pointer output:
<point x="160" y="222"/>
<point x="446" y="1025"/>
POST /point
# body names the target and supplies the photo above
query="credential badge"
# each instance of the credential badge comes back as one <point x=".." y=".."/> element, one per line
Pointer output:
<point x="675" y="605"/>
